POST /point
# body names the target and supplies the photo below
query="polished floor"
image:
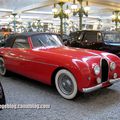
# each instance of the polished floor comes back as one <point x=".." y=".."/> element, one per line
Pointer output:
<point x="100" y="105"/>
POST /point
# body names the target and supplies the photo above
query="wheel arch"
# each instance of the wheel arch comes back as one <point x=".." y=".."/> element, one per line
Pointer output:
<point x="54" y="73"/>
<point x="1" y="56"/>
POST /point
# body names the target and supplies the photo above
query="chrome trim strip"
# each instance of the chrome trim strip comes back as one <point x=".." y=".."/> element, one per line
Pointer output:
<point x="114" y="80"/>
<point x="38" y="62"/>
<point x="87" y="90"/>
<point x="26" y="60"/>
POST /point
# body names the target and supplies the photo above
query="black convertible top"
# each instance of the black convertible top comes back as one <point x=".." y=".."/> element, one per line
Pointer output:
<point x="10" y="40"/>
<point x="29" y="34"/>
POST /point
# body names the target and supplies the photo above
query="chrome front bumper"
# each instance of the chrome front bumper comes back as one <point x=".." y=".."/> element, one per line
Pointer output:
<point x="91" y="89"/>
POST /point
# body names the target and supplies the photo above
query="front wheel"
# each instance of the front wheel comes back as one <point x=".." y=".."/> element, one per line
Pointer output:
<point x="66" y="84"/>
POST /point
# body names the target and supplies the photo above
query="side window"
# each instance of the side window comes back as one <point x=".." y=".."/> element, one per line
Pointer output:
<point x="21" y="43"/>
<point x="90" y="37"/>
<point x="36" y="40"/>
<point x="75" y="36"/>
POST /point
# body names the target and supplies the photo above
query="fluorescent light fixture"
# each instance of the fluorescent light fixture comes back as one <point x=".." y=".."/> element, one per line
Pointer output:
<point x="39" y="12"/>
<point x="48" y="21"/>
<point x="30" y="17"/>
<point x="4" y="22"/>
<point x="5" y="10"/>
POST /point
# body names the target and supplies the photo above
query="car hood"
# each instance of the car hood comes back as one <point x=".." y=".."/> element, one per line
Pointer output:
<point x="71" y="52"/>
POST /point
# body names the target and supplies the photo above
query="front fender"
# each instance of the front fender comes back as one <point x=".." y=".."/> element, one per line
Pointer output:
<point x="81" y="72"/>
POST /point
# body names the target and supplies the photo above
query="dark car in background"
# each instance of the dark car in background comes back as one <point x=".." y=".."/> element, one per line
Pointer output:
<point x="96" y="40"/>
<point x="2" y="41"/>
<point x="65" y="37"/>
<point x="2" y="96"/>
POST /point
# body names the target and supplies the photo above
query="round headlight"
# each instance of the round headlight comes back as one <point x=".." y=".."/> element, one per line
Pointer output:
<point x="97" y="69"/>
<point x="112" y="65"/>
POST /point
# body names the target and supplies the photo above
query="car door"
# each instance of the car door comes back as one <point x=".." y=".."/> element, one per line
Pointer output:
<point x="17" y="55"/>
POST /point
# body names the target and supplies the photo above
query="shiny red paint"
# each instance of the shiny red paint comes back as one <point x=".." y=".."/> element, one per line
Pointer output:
<point x="41" y="63"/>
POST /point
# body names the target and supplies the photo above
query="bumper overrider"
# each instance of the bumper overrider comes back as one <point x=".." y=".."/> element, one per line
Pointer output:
<point x="102" y="85"/>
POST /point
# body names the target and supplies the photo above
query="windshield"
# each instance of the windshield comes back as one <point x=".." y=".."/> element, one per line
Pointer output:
<point x="46" y="40"/>
<point x="112" y="37"/>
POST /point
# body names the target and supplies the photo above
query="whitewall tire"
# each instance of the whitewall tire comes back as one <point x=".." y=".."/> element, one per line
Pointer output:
<point x="2" y="67"/>
<point x="66" y="84"/>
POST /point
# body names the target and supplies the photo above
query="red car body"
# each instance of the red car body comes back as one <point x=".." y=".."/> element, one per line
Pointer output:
<point x="42" y="64"/>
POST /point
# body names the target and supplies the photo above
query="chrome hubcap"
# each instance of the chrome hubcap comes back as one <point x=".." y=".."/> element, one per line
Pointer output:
<point x="2" y="67"/>
<point x="65" y="84"/>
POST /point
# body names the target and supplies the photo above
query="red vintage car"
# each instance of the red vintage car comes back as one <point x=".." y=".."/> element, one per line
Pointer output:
<point x="42" y="57"/>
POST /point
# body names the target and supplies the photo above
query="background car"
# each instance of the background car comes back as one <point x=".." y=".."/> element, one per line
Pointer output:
<point x="96" y="40"/>
<point x="42" y="57"/>
<point x="2" y="96"/>
<point x="2" y="40"/>
<point x="65" y="38"/>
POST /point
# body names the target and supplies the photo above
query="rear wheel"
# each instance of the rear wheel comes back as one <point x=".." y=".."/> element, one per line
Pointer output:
<point x="3" y="70"/>
<point x="66" y="84"/>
